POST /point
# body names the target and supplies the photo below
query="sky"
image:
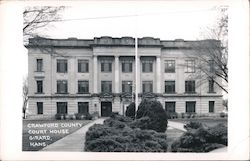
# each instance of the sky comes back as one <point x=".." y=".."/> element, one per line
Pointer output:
<point x="162" y="19"/>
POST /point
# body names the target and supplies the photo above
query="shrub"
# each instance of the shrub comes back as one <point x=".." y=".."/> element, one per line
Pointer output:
<point x="223" y="114"/>
<point x="104" y="145"/>
<point x="201" y="139"/>
<point x="193" y="125"/>
<point x="155" y="112"/>
<point x="115" y="135"/>
<point x="59" y="116"/>
<point x="142" y="123"/>
<point x="130" y="112"/>
<point x="121" y="118"/>
<point x="114" y="123"/>
<point x="88" y="116"/>
<point x="191" y="141"/>
<point x="66" y="117"/>
<point x="172" y="115"/>
<point x="95" y="115"/>
<point x="218" y="134"/>
<point x="80" y="116"/>
<point x="73" y="117"/>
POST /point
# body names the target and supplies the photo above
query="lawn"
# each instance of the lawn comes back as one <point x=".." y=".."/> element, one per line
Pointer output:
<point x="208" y="121"/>
<point x="37" y="134"/>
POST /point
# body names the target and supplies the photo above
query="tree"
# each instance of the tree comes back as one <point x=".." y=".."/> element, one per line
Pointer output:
<point x="151" y="115"/>
<point x="212" y="53"/>
<point x="25" y="96"/>
<point x="130" y="112"/>
<point x="36" y="18"/>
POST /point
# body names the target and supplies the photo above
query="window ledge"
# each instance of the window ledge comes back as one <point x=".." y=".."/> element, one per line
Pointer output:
<point x="39" y="71"/>
<point x="39" y="93"/>
<point x="170" y="72"/>
<point x="190" y="93"/>
<point x="83" y="93"/>
<point x="62" y="93"/>
<point x="212" y="92"/>
<point x="170" y="93"/>
<point x="127" y="72"/>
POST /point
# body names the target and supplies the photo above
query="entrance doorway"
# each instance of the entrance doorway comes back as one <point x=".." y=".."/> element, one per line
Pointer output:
<point x="106" y="109"/>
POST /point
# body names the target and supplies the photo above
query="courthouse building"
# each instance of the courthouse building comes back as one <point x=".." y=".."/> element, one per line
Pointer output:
<point x="98" y="75"/>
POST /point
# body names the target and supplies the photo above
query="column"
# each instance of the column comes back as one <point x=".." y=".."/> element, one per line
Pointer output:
<point x="158" y="74"/>
<point x="95" y="71"/>
<point x="117" y="74"/>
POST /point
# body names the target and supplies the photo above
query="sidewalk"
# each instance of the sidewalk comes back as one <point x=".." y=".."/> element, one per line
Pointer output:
<point x="73" y="142"/>
<point x="176" y="125"/>
<point x="220" y="150"/>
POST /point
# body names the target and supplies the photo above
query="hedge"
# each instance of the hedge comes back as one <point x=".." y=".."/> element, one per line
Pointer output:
<point x="201" y="139"/>
<point x="117" y="135"/>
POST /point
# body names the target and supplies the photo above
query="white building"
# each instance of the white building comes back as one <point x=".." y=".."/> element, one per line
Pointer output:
<point x="98" y="75"/>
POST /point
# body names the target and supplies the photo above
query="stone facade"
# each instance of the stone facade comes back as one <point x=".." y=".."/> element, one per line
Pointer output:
<point x="97" y="54"/>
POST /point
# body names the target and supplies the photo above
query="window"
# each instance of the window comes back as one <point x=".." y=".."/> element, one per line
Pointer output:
<point x="62" y="107"/>
<point x="106" y="66"/>
<point x="169" y="66"/>
<point x="211" y="106"/>
<point x="106" y="86"/>
<point x="170" y="107"/>
<point x="190" y="107"/>
<point x="211" y="86"/>
<point x="190" y="66"/>
<point x="39" y="107"/>
<point x="83" y="86"/>
<point x="211" y="66"/>
<point x="83" y="107"/>
<point x="83" y="66"/>
<point x="127" y="86"/>
<point x="62" y="86"/>
<point x="39" y="84"/>
<point x="147" y="66"/>
<point x="147" y="86"/>
<point x="62" y="66"/>
<point x="39" y="65"/>
<point x="190" y="86"/>
<point x="127" y="67"/>
<point x="169" y="86"/>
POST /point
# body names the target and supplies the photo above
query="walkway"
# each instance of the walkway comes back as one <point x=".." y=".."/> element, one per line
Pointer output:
<point x="176" y="125"/>
<point x="73" y="142"/>
<point x="220" y="150"/>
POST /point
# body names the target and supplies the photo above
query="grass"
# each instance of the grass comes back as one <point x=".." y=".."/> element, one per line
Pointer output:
<point x="208" y="121"/>
<point x="45" y="138"/>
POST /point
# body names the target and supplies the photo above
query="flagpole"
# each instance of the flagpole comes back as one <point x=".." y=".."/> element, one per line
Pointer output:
<point x="136" y="73"/>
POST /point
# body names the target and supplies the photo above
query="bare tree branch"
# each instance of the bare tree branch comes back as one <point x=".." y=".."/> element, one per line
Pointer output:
<point x="39" y="17"/>
<point x="25" y="96"/>
<point x="217" y="52"/>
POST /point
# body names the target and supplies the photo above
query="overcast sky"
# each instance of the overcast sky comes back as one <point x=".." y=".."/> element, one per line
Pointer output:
<point x="167" y="20"/>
